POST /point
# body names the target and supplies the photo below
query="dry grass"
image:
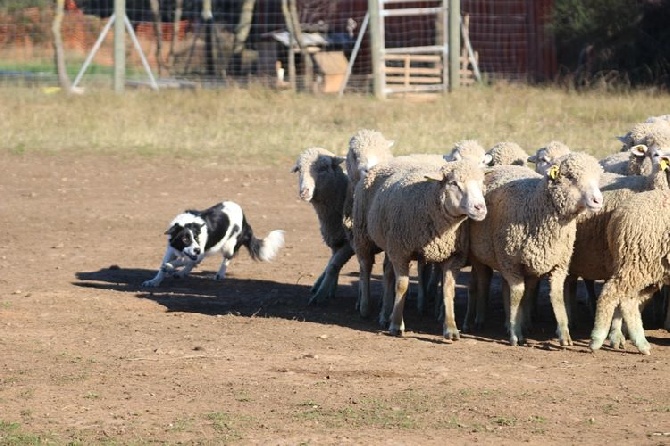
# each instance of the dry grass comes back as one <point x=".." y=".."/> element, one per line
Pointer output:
<point x="246" y="126"/>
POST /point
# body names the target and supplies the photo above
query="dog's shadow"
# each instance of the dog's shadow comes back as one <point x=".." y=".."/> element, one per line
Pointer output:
<point x="200" y="293"/>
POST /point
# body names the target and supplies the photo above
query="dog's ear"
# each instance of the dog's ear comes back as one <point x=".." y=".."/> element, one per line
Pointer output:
<point x="173" y="230"/>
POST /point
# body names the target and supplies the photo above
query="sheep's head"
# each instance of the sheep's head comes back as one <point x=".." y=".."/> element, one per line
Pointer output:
<point x="545" y="156"/>
<point x="507" y="153"/>
<point x="367" y="148"/>
<point x="471" y="150"/>
<point x="315" y="165"/>
<point x="462" y="184"/>
<point x="572" y="181"/>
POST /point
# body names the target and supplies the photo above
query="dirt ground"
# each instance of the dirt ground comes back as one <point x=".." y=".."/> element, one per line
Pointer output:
<point x="87" y="356"/>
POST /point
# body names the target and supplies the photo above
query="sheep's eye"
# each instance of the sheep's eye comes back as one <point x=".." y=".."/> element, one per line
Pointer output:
<point x="455" y="184"/>
<point x="323" y="168"/>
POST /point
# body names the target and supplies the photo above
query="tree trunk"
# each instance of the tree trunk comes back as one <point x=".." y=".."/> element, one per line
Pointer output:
<point x="61" y="68"/>
<point x="208" y="23"/>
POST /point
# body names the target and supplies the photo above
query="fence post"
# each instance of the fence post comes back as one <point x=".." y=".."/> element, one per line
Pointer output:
<point x="376" y="42"/>
<point x="119" y="45"/>
<point x="454" y="44"/>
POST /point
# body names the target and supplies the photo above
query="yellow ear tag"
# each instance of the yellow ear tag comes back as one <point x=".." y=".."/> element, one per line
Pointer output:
<point x="664" y="163"/>
<point x="553" y="172"/>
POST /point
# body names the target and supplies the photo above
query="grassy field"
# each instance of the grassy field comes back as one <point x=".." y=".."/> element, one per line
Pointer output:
<point x="246" y="126"/>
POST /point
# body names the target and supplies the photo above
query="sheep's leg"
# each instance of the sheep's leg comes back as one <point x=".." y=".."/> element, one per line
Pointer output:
<point x="423" y="279"/>
<point x="401" y="270"/>
<point x="531" y="292"/>
<point x="616" y="336"/>
<point x="365" y="267"/>
<point x="516" y="292"/>
<point x="607" y="302"/>
<point x="450" y="330"/>
<point x="505" y="298"/>
<point x="666" y="324"/>
<point x="388" y="296"/>
<point x="556" y="283"/>
<point x="331" y="274"/>
<point x="570" y="296"/>
<point x="630" y="310"/>
<point x="590" y="286"/>
<point x="478" y="293"/>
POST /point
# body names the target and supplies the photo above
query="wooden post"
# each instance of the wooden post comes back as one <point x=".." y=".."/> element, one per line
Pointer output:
<point x="376" y="48"/>
<point x="454" y="44"/>
<point x="119" y="45"/>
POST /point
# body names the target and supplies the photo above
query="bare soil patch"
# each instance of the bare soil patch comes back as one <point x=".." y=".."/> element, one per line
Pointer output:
<point x="88" y="356"/>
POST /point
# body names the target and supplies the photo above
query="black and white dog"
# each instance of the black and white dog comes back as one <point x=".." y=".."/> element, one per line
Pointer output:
<point x="223" y="228"/>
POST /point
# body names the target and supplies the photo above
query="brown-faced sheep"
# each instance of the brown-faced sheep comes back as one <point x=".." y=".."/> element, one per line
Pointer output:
<point x="530" y="231"/>
<point x="323" y="183"/>
<point x="412" y="213"/>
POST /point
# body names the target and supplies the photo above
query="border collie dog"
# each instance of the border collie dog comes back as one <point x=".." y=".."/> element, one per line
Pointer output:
<point x="222" y="228"/>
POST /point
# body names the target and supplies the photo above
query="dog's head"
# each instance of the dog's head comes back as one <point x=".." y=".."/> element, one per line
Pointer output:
<point x="188" y="235"/>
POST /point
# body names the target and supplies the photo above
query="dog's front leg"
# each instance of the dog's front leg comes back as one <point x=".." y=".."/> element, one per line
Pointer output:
<point x="164" y="268"/>
<point x="222" y="270"/>
<point x="186" y="270"/>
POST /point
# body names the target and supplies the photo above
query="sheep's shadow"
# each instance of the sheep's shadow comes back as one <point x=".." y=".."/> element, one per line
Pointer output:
<point x="199" y="293"/>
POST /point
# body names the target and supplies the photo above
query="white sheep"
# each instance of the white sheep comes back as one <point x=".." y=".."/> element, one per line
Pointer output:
<point x="592" y="256"/>
<point x="637" y="160"/>
<point x="507" y="153"/>
<point x="367" y="148"/>
<point x="323" y="183"/>
<point x="658" y="130"/>
<point x="546" y="155"/>
<point x="638" y="237"/>
<point x="469" y="149"/>
<point x="530" y="231"/>
<point x="415" y="212"/>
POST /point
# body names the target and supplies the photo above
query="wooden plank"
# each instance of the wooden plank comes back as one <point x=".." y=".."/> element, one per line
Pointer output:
<point x="415" y="71"/>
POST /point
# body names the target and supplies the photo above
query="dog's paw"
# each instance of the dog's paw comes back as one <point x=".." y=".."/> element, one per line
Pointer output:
<point x="150" y="283"/>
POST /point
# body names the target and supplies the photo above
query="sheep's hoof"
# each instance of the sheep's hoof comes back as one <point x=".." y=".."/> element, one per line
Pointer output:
<point x="644" y="348"/>
<point x="617" y="339"/>
<point x="452" y="335"/>
<point x="396" y="332"/>
<point x="595" y="345"/>
<point x="513" y="342"/>
<point x="566" y="342"/>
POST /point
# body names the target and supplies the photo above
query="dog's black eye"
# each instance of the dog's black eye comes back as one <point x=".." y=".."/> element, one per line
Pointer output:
<point x="186" y="239"/>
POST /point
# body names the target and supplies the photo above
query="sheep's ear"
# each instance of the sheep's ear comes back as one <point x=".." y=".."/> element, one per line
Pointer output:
<point x="532" y="159"/>
<point x="337" y="160"/>
<point x="664" y="163"/>
<point x="456" y="155"/>
<point x="554" y="172"/>
<point x="295" y="168"/>
<point x="622" y="139"/>
<point x="434" y="176"/>
<point x="391" y="143"/>
<point x="488" y="159"/>
<point x="639" y="150"/>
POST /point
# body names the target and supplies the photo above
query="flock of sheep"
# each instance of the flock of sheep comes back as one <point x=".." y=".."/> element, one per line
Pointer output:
<point x="571" y="217"/>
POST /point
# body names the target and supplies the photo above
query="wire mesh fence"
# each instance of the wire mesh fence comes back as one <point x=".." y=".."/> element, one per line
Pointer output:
<point x="249" y="41"/>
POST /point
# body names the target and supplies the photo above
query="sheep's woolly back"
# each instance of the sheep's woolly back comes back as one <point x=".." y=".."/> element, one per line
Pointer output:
<point x="531" y="224"/>
<point x="508" y="153"/>
<point x="321" y="172"/>
<point x="469" y="149"/>
<point x="398" y="210"/>
<point x="639" y="238"/>
<point x="366" y="149"/>
<point x="592" y="258"/>
<point x="649" y="133"/>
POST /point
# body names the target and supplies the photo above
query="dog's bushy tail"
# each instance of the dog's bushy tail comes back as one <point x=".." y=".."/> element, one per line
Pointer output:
<point x="267" y="248"/>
